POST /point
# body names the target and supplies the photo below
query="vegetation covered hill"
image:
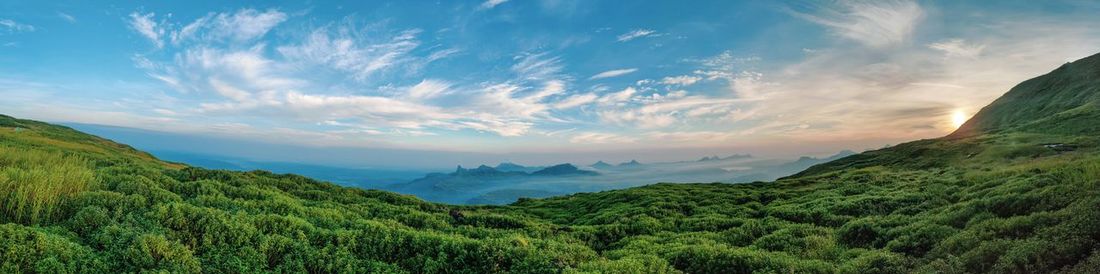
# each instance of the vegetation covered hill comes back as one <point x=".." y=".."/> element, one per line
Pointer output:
<point x="1066" y="100"/>
<point x="1002" y="199"/>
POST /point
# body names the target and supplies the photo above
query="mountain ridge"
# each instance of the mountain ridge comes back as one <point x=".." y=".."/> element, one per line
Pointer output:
<point x="1065" y="100"/>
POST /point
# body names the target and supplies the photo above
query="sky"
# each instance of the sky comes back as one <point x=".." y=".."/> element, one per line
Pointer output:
<point x="534" y="77"/>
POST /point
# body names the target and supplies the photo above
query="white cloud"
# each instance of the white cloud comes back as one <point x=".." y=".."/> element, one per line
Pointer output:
<point x="358" y="106"/>
<point x="444" y="53"/>
<point x="958" y="48"/>
<point x="639" y="119"/>
<point x="249" y="68"/>
<point x="428" y="89"/>
<point x="872" y="23"/>
<point x="66" y="17"/>
<point x="664" y="111"/>
<point x="13" y="26"/>
<point x="500" y="127"/>
<point x="600" y="138"/>
<point x="635" y="34"/>
<point x="343" y="52"/>
<point x="683" y="80"/>
<point x="502" y="100"/>
<point x="612" y="73"/>
<point x="144" y="25"/>
<point x="538" y="66"/>
<point x="229" y="91"/>
<point x="700" y="138"/>
<point x="575" y="101"/>
<point x="749" y="84"/>
<point x="165" y="112"/>
<point x="552" y="87"/>
<point x="248" y="82"/>
<point x="241" y="26"/>
<point x="488" y="4"/>
<point x="618" y="97"/>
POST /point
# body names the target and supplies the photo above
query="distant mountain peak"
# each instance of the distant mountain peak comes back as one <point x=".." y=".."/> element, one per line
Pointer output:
<point x="842" y="154"/>
<point x="631" y="163"/>
<point x="563" y="169"/>
<point x="738" y="156"/>
<point x="600" y="164"/>
<point x="480" y="170"/>
<point x="709" y="158"/>
<point x="731" y="157"/>
<point x="503" y="165"/>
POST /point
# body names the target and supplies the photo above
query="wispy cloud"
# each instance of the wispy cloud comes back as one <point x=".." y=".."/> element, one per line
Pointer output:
<point x="489" y="4"/>
<point x="443" y="53"/>
<point x="342" y="51"/>
<point x="144" y="25"/>
<point x="682" y="80"/>
<point x="664" y="111"/>
<point x="635" y="34"/>
<point x="872" y="23"/>
<point x="600" y="138"/>
<point x="245" y="78"/>
<point x="66" y="17"/>
<point x="576" y="101"/>
<point x="428" y="89"/>
<point x="612" y="73"/>
<point x="12" y="26"/>
<point x="240" y="26"/>
<point x="618" y="97"/>
<point x="958" y="48"/>
<point x="537" y="66"/>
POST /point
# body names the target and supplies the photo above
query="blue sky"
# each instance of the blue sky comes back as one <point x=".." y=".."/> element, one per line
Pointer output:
<point x="553" y="76"/>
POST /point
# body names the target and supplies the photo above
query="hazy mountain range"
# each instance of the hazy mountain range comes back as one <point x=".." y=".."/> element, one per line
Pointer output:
<point x="509" y="181"/>
<point x="499" y="184"/>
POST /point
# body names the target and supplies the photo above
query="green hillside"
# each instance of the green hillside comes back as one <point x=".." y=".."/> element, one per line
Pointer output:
<point x="1065" y="101"/>
<point x="1018" y="192"/>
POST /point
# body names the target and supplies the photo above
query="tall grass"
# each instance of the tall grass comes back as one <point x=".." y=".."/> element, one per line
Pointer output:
<point x="34" y="183"/>
<point x="1086" y="173"/>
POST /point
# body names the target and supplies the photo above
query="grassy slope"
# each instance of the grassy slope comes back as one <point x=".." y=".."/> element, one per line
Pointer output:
<point x="1012" y="207"/>
<point x="1065" y="101"/>
<point x="139" y="214"/>
<point x="993" y="202"/>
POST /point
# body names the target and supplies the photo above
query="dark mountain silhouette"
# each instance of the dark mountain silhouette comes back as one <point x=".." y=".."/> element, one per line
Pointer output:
<point x="632" y="163"/>
<point x="506" y="166"/>
<point x="601" y="165"/>
<point x="562" y="170"/>
<point x="731" y="157"/>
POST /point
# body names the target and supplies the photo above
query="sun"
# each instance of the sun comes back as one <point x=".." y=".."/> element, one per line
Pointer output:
<point x="958" y="118"/>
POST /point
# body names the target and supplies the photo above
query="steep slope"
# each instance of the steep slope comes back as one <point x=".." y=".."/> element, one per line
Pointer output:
<point x="1065" y="101"/>
<point x="1063" y="105"/>
<point x="28" y="134"/>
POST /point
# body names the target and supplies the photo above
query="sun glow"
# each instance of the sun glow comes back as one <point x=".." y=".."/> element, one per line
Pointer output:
<point x="958" y="118"/>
